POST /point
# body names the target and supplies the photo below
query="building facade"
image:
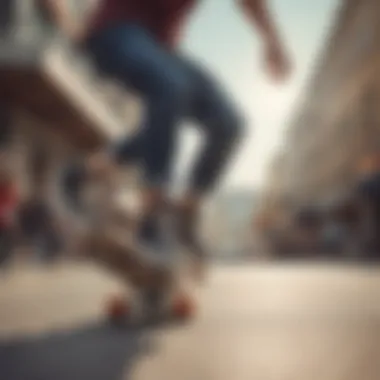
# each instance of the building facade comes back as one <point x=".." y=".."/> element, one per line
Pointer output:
<point x="337" y="121"/>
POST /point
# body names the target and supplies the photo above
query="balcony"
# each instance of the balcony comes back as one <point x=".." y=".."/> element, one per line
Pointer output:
<point x="41" y="73"/>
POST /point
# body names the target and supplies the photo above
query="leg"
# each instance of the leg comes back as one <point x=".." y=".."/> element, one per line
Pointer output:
<point x="222" y="126"/>
<point x="133" y="57"/>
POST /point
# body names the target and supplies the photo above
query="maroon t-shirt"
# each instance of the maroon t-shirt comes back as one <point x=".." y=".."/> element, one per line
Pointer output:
<point x="164" y="18"/>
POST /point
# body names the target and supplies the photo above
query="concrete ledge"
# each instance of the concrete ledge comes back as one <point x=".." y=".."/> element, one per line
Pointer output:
<point x="51" y="81"/>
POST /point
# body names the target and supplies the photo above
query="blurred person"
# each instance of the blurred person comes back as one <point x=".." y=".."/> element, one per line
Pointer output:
<point x="9" y="202"/>
<point x="137" y="43"/>
<point x="39" y="226"/>
<point x="5" y="127"/>
<point x="9" y="197"/>
<point x="347" y="217"/>
<point x="333" y="236"/>
<point x="368" y="205"/>
<point x="309" y="224"/>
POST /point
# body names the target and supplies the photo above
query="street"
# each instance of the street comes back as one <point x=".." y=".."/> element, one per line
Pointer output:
<point x="267" y="322"/>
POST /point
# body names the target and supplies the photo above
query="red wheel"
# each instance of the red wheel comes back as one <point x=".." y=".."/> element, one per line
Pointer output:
<point x="184" y="307"/>
<point x="117" y="308"/>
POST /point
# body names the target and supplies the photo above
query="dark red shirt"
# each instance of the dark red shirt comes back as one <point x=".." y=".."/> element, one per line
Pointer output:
<point x="164" y="18"/>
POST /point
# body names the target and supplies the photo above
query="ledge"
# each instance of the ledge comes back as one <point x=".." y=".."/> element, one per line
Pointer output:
<point x="53" y="81"/>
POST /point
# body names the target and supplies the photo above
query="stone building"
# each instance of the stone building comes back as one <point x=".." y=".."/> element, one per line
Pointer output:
<point x="337" y="121"/>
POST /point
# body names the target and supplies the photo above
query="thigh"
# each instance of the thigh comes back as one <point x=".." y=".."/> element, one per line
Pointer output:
<point x="131" y="55"/>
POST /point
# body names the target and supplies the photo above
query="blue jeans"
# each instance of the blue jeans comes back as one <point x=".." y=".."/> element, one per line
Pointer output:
<point x="173" y="89"/>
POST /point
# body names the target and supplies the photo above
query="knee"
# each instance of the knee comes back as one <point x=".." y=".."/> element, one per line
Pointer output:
<point x="231" y="129"/>
<point x="171" y="93"/>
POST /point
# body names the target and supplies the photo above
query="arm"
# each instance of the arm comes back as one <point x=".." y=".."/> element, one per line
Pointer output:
<point x="276" y="59"/>
<point x="60" y="13"/>
<point x="258" y="13"/>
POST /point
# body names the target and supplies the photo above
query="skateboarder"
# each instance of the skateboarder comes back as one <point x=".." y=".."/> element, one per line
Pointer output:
<point x="136" y="42"/>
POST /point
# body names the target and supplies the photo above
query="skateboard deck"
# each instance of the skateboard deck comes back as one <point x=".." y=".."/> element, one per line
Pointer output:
<point x="177" y="302"/>
<point x="157" y="291"/>
<point x="176" y="305"/>
<point x="122" y="259"/>
<point x="110" y="245"/>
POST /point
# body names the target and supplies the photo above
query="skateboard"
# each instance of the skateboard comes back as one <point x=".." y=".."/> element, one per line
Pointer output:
<point x="125" y="261"/>
<point x="155" y="298"/>
<point x="158" y="289"/>
<point x="150" y="306"/>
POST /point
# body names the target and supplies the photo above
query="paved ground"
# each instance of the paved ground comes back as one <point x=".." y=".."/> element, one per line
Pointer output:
<point x="266" y="322"/>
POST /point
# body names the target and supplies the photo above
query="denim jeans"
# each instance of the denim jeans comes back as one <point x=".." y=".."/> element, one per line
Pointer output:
<point x="173" y="89"/>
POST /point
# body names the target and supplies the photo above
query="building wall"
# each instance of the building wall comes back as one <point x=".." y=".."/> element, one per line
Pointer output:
<point x="331" y="129"/>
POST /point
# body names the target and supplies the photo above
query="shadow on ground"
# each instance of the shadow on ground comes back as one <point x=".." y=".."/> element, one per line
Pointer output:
<point x="99" y="352"/>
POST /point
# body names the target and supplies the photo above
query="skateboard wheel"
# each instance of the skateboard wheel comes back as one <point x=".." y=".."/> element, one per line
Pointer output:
<point x="117" y="308"/>
<point x="183" y="307"/>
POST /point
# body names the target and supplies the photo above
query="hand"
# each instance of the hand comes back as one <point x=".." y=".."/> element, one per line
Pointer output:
<point x="71" y="30"/>
<point x="277" y="62"/>
<point x="75" y="33"/>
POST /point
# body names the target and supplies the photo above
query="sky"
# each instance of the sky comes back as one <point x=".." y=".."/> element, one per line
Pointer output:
<point x="219" y="36"/>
